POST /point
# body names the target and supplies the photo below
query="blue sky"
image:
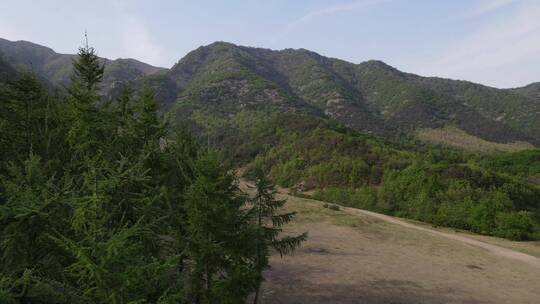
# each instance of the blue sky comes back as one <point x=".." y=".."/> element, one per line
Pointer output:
<point x="494" y="42"/>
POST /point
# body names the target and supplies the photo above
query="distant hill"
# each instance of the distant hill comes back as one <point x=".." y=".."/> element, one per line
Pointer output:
<point x="6" y="71"/>
<point x="531" y="91"/>
<point x="222" y="78"/>
<point x="56" y="68"/>
<point x="214" y="83"/>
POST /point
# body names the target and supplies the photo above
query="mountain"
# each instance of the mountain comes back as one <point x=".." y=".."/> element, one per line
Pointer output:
<point x="56" y="68"/>
<point x="214" y="83"/>
<point x="531" y="91"/>
<point x="222" y="79"/>
<point x="6" y="71"/>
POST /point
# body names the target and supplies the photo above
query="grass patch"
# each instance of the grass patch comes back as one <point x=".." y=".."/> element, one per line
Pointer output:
<point x="457" y="138"/>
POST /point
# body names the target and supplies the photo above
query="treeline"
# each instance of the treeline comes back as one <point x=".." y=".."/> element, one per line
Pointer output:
<point x="475" y="200"/>
<point x="101" y="203"/>
<point x="487" y="194"/>
<point x="521" y="164"/>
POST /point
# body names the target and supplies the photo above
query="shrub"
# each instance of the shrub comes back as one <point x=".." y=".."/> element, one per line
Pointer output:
<point x="334" y="207"/>
<point x="515" y="225"/>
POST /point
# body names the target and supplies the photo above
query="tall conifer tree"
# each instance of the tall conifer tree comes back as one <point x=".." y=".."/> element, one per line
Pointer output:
<point x="268" y="226"/>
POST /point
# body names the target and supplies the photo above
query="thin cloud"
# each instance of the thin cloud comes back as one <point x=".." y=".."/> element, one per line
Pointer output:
<point x="335" y="9"/>
<point x="497" y="48"/>
<point x="136" y="37"/>
<point x="331" y="10"/>
<point x="488" y="6"/>
<point x="137" y="41"/>
<point x="9" y="33"/>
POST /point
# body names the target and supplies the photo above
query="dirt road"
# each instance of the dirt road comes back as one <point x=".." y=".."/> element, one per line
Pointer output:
<point x="357" y="256"/>
<point x="494" y="249"/>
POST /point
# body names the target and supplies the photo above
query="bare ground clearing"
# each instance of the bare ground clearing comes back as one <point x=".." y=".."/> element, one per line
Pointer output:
<point x="355" y="256"/>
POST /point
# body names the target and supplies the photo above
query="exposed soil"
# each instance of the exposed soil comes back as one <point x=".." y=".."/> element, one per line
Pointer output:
<point x="357" y="256"/>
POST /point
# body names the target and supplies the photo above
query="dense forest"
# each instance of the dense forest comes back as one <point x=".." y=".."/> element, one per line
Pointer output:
<point x="487" y="194"/>
<point x="495" y="194"/>
<point x="102" y="202"/>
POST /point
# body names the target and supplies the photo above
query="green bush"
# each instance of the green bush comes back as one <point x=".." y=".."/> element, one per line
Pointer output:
<point x="334" y="207"/>
<point x="515" y="225"/>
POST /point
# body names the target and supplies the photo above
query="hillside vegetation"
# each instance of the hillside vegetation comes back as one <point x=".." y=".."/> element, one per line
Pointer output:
<point x="456" y="138"/>
<point x="224" y="78"/>
<point x="100" y="202"/>
<point x="482" y="193"/>
<point x="57" y="69"/>
<point x="347" y="131"/>
<point x="370" y="96"/>
<point x="102" y="187"/>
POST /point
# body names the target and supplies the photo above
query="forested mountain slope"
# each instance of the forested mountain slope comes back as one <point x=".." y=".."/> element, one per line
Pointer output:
<point x="57" y="69"/>
<point x="222" y="79"/>
<point x="489" y="194"/>
<point x="371" y="96"/>
<point x="532" y="91"/>
<point x="6" y="71"/>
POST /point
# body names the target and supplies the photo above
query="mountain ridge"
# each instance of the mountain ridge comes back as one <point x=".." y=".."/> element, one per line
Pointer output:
<point x="222" y="79"/>
<point x="377" y="61"/>
<point x="56" y="68"/>
<point x="370" y="96"/>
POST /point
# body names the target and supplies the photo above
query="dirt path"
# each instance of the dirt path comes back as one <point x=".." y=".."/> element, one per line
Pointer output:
<point x="356" y="256"/>
<point x="494" y="249"/>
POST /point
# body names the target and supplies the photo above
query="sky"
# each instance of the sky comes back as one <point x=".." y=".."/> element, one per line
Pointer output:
<point x="493" y="42"/>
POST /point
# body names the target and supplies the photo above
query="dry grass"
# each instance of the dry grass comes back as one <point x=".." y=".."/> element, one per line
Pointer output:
<point x="527" y="247"/>
<point x="454" y="137"/>
<point x="355" y="258"/>
<point x="531" y="248"/>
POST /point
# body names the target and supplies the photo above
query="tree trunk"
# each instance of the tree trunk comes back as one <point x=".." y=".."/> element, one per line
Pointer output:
<point x="256" y="298"/>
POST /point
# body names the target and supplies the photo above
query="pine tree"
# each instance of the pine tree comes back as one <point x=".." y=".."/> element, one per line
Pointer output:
<point x="123" y="108"/>
<point x="269" y="223"/>
<point x="149" y="126"/>
<point x="88" y="72"/>
<point x="23" y="118"/>
<point x="214" y="220"/>
<point x="89" y="127"/>
<point x="32" y="204"/>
